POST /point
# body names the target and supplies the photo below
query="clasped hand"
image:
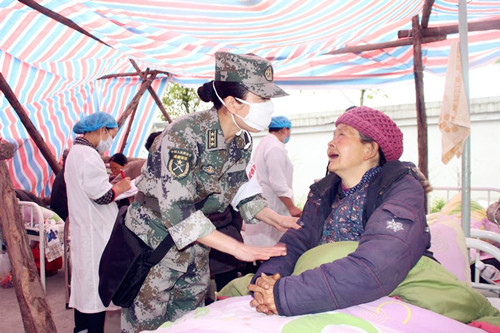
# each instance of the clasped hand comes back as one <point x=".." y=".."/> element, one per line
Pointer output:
<point x="263" y="296"/>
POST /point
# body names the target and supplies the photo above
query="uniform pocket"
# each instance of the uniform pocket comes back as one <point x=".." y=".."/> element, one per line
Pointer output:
<point x="207" y="184"/>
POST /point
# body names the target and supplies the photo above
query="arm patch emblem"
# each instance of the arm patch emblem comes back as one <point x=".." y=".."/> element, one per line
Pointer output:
<point x="179" y="162"/>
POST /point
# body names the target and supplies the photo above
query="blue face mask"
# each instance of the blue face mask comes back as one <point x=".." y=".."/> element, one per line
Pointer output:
<point x="286" y="139"/>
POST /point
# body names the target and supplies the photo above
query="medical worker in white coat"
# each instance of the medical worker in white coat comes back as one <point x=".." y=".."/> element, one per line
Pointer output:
<point x="92" y="213"/>
<point x="275" y="176"/>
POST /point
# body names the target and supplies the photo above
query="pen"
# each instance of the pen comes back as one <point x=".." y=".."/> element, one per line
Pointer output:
<point x="122" y="173"/>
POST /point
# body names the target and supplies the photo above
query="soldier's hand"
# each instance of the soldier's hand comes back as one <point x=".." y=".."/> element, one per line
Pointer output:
<point x="253" y="253"/>
<point x="280" y="222"/>
<point x="288" y="222"/>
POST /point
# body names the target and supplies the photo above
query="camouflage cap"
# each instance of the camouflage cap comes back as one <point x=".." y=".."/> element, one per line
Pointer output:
<point x="253" y="72"/>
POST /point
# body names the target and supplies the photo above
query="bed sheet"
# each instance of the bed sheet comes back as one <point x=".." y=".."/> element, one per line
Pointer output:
<point x="386" y="314"/>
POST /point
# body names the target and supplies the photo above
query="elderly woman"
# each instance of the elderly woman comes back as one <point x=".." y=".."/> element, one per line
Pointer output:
<point x="369" y="196"/>
<point x="92" y="213"/>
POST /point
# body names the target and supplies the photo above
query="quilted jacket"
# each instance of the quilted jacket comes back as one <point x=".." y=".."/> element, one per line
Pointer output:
<point x="395" y="237"/>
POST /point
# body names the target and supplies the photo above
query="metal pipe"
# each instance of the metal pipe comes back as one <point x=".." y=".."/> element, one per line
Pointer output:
<point x="464" y="59"/>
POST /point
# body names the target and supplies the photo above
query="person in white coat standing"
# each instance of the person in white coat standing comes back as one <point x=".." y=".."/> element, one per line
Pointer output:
<point x="275" y="176"/>
<point x="92" y="213"/>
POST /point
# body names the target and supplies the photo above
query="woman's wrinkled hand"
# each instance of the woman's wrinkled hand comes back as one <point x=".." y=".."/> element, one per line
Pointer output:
<point x="263" y="300"/>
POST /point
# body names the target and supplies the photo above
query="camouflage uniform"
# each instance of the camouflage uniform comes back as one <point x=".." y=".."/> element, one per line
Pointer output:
<point x="191" y="172"/>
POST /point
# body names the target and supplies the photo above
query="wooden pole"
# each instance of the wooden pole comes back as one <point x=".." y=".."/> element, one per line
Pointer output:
<point x="59" y="18"/>
<point x="453" y="29"/>
<point x="110" y="76"/>
<point x="35" y="310"/>
<point x="127" y="132"/>
<point x="426" y="13"/>
<point x="133" y="103"/>
<point x="420" y="101"/>
<point x="385" y="45"/>
<point x="33" y="132"/>
<point x="153" y="94"/>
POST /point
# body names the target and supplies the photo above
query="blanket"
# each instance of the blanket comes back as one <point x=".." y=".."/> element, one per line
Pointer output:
<point x="383" y="315"/>
<point x="428" y="300"/>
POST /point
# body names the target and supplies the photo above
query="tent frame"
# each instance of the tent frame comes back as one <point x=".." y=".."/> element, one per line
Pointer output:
<point x="420" y="33"/>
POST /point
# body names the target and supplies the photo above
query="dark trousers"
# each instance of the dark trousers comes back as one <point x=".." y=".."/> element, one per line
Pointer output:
<point x="222" y="279"/>
<point x="93" y="322"/>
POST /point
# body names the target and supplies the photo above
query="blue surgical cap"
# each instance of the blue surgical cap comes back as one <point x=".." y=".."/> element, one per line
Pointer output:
<point x="93" y="122"/>
<point x="280" y="122"/>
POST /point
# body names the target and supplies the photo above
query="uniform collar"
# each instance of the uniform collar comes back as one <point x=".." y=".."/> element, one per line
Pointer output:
<point x="215" y="137"/>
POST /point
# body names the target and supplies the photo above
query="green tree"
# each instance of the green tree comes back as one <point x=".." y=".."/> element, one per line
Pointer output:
<point x="370" y="94"/>
<point x="179" y="100"/>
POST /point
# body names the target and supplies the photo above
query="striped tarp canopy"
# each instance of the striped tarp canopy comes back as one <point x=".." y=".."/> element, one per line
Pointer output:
<point x="54" y="69"/>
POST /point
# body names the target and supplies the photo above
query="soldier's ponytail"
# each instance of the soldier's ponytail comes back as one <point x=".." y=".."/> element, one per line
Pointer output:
<point x="207" y="93"/>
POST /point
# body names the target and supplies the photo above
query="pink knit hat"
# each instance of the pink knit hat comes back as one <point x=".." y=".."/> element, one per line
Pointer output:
<point x="378" y="126"/>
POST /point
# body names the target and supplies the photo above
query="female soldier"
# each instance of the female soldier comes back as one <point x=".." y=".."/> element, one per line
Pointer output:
<point x="198" y="166"/>
<point x="92" y="213"/>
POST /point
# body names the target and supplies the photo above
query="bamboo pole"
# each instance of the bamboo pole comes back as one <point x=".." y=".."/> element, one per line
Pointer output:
<point x="35" y="310"/>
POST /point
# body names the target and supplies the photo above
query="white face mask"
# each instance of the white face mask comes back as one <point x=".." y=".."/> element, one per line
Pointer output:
<point x="258" y="117"/>
<point x="260" y="114"/>
<point x="104" y="145"/>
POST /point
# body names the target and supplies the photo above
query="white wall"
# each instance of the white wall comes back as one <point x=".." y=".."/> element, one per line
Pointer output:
<point x="311" y="133"/>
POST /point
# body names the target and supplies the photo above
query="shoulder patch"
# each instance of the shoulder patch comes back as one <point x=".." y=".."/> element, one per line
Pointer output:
<point x="179" y="162"/>
<point x="211" y="139"/>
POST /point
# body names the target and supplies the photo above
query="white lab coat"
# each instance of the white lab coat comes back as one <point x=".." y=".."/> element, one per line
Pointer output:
<point x="90" y="225"/>
<point x="274" y="172"/>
